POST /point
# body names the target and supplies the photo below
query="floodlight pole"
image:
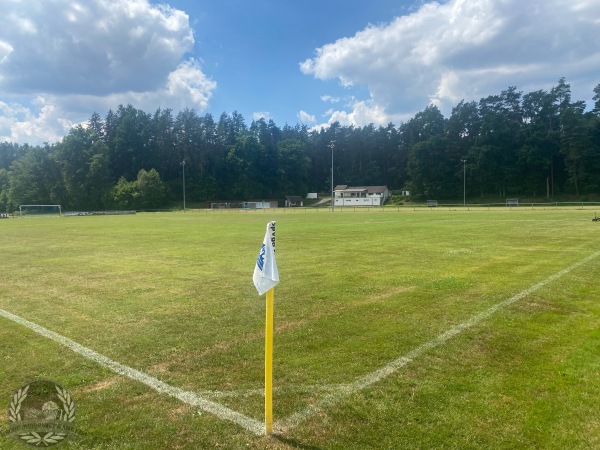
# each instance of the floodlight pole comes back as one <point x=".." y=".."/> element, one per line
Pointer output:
<point x="332" y="146"/>
<point x="183" y="165"/>
<point x="464" y="161"/>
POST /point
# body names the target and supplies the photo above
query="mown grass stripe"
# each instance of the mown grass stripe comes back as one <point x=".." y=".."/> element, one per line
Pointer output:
<point x="190" y="398"/>
<point x="363" y="382"/>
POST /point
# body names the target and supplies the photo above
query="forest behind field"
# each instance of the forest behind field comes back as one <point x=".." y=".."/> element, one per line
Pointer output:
<point x="538" y="144"/>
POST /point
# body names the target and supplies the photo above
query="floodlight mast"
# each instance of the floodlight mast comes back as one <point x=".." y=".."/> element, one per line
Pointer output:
<point x="183" y="165"/>
<point x="177" y="144"/>
<point x="332" y="146"/>
<point x="464" y="161"/>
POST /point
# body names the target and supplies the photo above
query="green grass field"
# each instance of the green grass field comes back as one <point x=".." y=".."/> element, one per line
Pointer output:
<point x="171" y="295"/>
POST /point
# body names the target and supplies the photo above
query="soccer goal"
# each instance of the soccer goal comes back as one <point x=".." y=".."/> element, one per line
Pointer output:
<point x="220" y="205"/>
<point x="39" y="210"/>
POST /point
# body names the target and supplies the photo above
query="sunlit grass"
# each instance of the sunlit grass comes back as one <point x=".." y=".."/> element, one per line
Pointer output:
<point x="172" y="295"/>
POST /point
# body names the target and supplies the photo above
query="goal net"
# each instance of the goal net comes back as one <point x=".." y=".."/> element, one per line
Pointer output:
<point x="227" y="205"/>
<point x="39" y="210"/>
<point x="220" y="205"/>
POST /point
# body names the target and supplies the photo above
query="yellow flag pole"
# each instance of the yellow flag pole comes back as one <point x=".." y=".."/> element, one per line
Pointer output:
<point x="269" y="362"/>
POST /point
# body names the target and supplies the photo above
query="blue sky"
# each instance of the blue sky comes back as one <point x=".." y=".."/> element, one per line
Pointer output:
<point x="254" y="50"/>
<point x="311" y="62"/>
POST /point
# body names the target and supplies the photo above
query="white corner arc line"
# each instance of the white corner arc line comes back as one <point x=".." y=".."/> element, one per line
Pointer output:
<point x="373" y="377"/>
<point x="261" y="392"/>
<point x="188" y="397"/>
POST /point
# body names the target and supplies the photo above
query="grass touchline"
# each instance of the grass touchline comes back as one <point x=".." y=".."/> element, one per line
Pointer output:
<point x="295" y="419"/>
<point x="170" y="297"/>
<point x="190" y="398"/>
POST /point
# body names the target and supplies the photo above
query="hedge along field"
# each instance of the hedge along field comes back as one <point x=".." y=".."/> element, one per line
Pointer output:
<point x="172" y="295"/>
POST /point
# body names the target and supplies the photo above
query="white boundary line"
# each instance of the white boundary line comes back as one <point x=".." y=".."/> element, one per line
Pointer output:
<point x="343" y="390"/>
<point x="373" y="377"/>
<point x="190" y="398"/>
<point x="283" y="389"/>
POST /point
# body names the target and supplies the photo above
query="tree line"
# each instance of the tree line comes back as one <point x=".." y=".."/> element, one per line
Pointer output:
<point x="538" y="144"/>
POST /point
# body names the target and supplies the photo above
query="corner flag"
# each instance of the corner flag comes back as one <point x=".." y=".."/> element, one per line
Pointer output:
<point x="265" y="278"/>
<point x="266" y="275"/>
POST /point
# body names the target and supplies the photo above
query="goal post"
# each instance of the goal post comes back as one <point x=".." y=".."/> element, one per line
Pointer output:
<point x="228" y="205"/>
<point x="220" y="205"/>
<point x="40" y="210"/>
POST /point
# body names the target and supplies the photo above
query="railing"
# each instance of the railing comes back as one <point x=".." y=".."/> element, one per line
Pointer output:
<point x="523" y="206"/>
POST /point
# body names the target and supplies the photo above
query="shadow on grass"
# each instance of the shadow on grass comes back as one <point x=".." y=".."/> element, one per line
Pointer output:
<point x="294" y="443"/>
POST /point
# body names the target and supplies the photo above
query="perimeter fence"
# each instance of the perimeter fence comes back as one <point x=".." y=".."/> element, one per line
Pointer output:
<point x="420" y="207"/>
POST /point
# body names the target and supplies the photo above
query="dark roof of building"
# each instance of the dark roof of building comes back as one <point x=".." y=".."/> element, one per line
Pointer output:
<point x="293" y="198"/>
<point x="369" y="189"/>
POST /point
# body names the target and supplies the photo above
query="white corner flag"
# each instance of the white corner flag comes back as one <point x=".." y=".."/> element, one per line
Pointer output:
<point x="266" y="275"/>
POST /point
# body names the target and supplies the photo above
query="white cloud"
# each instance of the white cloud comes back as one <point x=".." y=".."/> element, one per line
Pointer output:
<point x="330" y="99"/>
<point x="19" y="124"/>
<point x="467" y="49"/>
<point x="188" y="81"/>
<point x="305" y="117"/>
<point x="5" y="50"/>
<point x="362" y="113"/>
<point x="99" y="47"/>
<point x="261" y="115"/>
<point x="93" y="55"/>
